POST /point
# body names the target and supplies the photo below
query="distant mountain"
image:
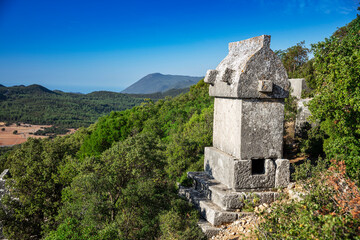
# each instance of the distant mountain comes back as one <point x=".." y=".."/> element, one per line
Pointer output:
<point x="157" y="82"/>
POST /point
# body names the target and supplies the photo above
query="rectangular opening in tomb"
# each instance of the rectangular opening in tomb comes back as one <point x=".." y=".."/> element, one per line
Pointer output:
<point x="257" y="166"/>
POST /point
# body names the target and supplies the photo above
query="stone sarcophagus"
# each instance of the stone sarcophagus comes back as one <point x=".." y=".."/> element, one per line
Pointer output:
<point x="245" y="162"/>
<point x="249" y="87"/>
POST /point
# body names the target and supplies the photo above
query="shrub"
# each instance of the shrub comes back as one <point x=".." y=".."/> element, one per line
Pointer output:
<point x="329" y="210"/>
<point x="336" y="104"/>
<point x="180" y="222"/>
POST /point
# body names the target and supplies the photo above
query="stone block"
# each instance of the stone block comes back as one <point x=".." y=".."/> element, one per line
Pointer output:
<point x="215" y="215"/>
<point x="220" y="166"/>
<point x="221" y="195"/>
<point x="303" y="113"/>
<point x="210" y="76"/>
<point x="262" y="129"/>
<point x="238" y="174"/>
<point x="282" y="176"/>
<point x="265" y="86"/>
<point x="208" y="229"/>
<point x="227" y="125"/>
<point x="209" y="210"/>
<point x="298" y="85"/>
<point x="249" y="128"/>
<point x="246" y="179"/>
<point x="225" y="197"/>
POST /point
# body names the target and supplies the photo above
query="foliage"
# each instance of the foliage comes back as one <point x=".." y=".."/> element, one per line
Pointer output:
<point x="328" y="210"/>
<point x="33" y="203"/>
<point x="312" y="141"/>
<point x="297" y="64"/>
<point x="4" y="153"/>
<point x="115" y="179"/>
<point x="336" y="104"/>
<point x="51" y="131"/>
<point x="37" y="105"/>
<point x="290" y="108"/>
<point x="294" y="58"/>
<point x="180" y="222"/>
<point x="160" y="95"/>
<point x="184" y="124"/>
<point x="250" y="203"/>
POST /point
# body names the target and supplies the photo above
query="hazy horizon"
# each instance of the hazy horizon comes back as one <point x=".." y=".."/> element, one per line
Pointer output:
<point x="83" y="89"/>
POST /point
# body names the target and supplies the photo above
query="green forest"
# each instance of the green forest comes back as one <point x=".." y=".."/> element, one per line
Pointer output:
<point x="117" y="178"/>
<point x="36" y="104"/>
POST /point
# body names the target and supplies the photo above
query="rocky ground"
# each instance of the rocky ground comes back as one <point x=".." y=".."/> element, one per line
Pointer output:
<point x="240" y="229"/>
<point x="245" y="228"/>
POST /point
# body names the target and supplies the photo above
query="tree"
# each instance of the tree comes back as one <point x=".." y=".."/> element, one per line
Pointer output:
<point x="116" y="190"/>
<point x="297" y="64"/>
<point x="294" y="58"/>
<point x="336" y="104"/>
<point x="30" y="209"/>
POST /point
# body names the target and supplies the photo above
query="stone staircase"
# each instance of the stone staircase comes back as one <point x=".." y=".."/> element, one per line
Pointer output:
<point x="219" y="204"/>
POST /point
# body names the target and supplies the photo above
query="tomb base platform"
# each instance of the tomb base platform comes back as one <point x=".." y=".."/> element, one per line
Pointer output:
<point x="254" y="174"/>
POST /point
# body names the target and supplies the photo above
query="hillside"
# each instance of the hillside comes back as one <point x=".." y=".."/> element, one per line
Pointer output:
<point x="36" y="104"/>
<point x="160" y="95"/>
<point x="158" y="82"/>
<point x="122" y="171"/>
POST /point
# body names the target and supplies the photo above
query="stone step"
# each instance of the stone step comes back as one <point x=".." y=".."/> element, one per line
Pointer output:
<point x="209" y="210"/>
<point x="225" y="197"/>
<point x="208" y="229"/>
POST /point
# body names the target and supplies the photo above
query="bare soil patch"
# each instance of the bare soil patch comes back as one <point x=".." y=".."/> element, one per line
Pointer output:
<point x="22" y="133"/>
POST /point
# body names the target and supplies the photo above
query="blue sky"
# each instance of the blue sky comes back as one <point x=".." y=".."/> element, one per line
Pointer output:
<point x="83" y="46"/>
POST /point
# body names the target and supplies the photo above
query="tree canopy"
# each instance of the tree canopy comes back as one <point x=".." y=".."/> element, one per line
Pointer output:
<point x="336" y="104"/>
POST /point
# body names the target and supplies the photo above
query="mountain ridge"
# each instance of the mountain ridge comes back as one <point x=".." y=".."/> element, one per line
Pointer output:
<point x="158" y="82"/>
<point x="35" y="104"/>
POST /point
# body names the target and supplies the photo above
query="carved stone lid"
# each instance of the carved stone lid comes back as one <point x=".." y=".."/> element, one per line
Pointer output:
<point x="250" y="70"/>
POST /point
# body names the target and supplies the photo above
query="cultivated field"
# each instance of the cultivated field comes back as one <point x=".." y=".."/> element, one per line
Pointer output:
<point x="24" y="131"/>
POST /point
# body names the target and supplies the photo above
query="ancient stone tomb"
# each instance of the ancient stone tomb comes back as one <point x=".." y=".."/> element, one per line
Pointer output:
<point x="249" y="87"/>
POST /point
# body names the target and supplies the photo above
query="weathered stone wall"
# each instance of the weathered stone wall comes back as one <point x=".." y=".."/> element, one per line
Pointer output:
<point x="298" y="85"/>
<point x="249" y="128"/>
<point x="303" y="114"/>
